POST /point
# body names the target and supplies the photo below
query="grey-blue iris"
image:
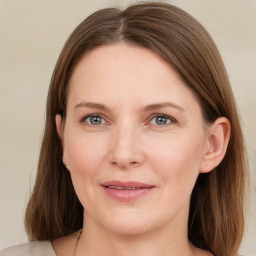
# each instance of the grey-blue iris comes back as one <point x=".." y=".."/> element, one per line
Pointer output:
<point x="161" y="120"/>
<point x="95" y="120"/>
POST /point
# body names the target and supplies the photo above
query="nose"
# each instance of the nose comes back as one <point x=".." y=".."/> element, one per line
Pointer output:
<point x="126" y="149"/>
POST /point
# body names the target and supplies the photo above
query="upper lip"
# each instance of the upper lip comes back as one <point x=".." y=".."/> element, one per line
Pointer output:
<point x="127" y="184"/>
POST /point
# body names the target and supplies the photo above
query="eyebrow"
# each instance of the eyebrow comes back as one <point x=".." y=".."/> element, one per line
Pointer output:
<point x="150" y="107"/>
<point x="163" y="105"/>
<point x="91" y="105"/>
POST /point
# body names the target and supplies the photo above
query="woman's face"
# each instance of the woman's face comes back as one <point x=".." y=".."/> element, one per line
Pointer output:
<point x="134" y="140"/>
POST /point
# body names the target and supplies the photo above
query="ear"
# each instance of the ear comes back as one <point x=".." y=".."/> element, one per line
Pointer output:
<point x="217" y="142"/>
<point x="59" y="128"/>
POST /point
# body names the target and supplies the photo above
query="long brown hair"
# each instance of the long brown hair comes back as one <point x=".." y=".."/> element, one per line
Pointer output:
<point x="216" y="218"/>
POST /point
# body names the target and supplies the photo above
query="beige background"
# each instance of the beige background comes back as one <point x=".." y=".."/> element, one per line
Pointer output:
<point x="32" y="34"/>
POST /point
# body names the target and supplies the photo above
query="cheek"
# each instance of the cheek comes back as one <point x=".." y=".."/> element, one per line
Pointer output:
<point x="85" y="157"/>
<point x="178" y="159"/>
<point x="84" y="153"/>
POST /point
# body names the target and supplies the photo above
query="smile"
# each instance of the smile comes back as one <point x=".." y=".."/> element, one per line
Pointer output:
<point x="122" y="188"/>
<point x="126" y="191"/>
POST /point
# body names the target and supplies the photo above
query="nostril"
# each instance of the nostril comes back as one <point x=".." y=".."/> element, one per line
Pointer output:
<point x="124" y="164"/>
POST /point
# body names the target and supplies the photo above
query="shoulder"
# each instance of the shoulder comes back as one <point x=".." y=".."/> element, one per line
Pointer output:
<point x="36" y="248"/>
<point x="245" y="255"/>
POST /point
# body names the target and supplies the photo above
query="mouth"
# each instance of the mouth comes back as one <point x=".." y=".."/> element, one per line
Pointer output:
<point x="122" y="188"/>
<point x="126" y="191"/>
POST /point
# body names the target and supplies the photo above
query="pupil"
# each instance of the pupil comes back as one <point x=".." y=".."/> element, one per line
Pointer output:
<point x="161" y="120"/>
<point x="95" y="120"/>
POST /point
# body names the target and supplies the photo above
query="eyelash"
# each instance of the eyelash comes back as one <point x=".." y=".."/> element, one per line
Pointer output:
<point x="171" y="120"/>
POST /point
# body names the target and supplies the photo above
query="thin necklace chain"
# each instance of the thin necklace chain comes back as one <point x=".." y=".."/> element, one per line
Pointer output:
<point x="77" y="240"/>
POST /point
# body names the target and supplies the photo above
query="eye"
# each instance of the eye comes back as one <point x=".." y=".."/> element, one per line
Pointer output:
<point x="94" y="120"/>
<point x="161" y="120"/>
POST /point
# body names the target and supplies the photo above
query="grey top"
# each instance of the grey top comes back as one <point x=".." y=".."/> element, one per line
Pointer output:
<point x="36" y="248"/>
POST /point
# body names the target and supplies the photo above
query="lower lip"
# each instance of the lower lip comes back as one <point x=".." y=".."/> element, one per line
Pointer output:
<point x="127" y="195"/>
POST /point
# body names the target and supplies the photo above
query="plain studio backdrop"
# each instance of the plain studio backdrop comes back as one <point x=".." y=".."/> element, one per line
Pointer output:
<point x="32" y="34"/>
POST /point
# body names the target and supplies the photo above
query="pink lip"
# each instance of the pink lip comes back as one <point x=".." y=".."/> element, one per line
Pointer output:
<point x="126" y="191"/>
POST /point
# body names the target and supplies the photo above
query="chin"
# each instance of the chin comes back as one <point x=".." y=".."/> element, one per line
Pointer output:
<point x="129" y="224"/>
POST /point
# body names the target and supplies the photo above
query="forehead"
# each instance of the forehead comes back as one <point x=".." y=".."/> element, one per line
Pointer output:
<point x="121" y="58"/>
<point x="126" y="73"/>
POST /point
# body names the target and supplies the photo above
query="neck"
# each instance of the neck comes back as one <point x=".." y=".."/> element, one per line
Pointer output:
<point x="96" y="240"/>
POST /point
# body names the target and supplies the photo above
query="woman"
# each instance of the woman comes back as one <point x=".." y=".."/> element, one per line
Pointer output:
<point x="143" y="152"/>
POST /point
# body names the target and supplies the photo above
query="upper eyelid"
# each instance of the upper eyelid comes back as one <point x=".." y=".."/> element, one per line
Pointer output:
<point x="93" y="114"/>
<point x="164" y="115"/>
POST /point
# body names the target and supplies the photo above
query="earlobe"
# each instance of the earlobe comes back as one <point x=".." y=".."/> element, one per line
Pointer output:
<point x="217" y="143"/>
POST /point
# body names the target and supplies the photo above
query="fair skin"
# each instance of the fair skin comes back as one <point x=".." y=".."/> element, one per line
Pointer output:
<point x="130" y="118"/>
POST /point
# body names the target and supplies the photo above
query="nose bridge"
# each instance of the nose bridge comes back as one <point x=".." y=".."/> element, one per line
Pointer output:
<point x="125" y="145"/>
